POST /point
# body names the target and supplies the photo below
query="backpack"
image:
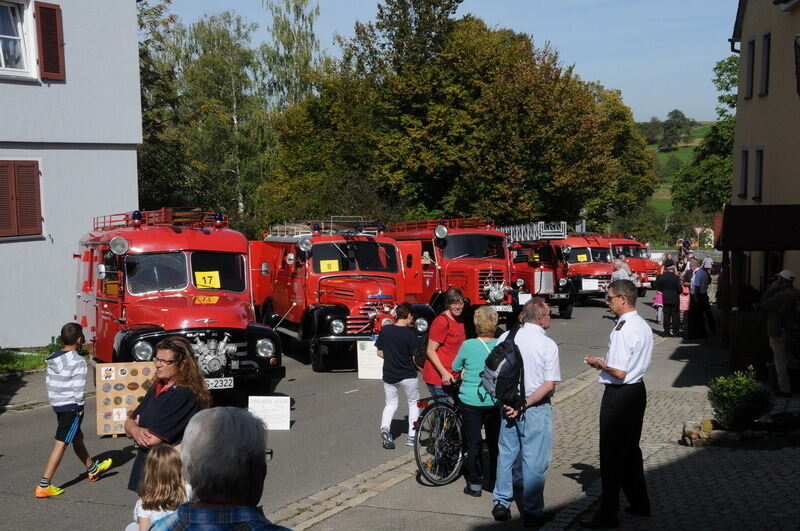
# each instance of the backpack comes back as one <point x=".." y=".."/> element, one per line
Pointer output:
<point x="502" y="376"/>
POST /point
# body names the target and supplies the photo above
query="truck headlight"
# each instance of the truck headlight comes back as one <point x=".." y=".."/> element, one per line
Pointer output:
<point x="142" y="351"/>
<point x="420" y="324"/>
<point x="562" y="282"/>
<point x="387" y="322"/>
<point x="337" y="326"/>
<point x="520" y="282"/>
<point x="265" y="348"/>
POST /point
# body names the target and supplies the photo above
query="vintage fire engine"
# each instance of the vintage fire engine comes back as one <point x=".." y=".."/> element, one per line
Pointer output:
<point x="469" y="254"/>
<point x="588" y="264"/>
<point x="637" y="255"/>
<point x="539" y="263"/>
<point x="329" y="286"/>
<point x="144" y="276"/>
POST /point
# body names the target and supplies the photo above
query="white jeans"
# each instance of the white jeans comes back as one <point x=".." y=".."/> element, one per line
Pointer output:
<point x="411" y="391"/>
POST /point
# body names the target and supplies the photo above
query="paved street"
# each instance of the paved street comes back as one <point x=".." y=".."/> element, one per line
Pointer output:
<point x="330" y="472"/>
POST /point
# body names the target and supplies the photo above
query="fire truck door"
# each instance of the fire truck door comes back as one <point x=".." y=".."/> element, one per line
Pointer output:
<point x="108" y="307"/>
<point x="262" y="271"/>
<point x="84" y="303"/>
<point x="411" y="253"/>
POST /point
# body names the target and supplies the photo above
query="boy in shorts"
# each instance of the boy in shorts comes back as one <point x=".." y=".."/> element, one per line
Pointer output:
<point x="66" y="384"/>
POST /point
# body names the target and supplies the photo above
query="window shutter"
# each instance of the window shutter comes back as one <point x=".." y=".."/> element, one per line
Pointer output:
<point x="8" y="207"/>
<point x="29" y="213"/>
<point x="51" y="41"/>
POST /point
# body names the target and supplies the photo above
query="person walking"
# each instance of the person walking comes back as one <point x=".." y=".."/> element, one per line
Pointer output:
<point x="698" y="303"/>
<point x="444" y="339"/>
<point x="478" y="408"/>
<point x="780" y="301"/>
<point x="620" y="272"/>
<point x="528" y="431"/>
<point x="397" y="344"/>
<point x="65" y="382"/>
<point x="630" y="350"/>
<point x="669" y="285"/>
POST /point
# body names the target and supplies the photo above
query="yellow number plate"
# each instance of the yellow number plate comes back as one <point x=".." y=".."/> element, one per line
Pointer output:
<point x="206" y="299"/>
<point x="583" y="258"/>
<point x="328" y="266"/>
<point x="207" y="279"/>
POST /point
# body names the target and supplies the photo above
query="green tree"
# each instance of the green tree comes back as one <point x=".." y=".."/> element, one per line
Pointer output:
<point x="675" y="129"/>
<point x="651" y="130"/>
<point x="705" y="184"/>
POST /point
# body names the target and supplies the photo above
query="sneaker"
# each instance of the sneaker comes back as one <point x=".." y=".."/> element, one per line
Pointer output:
<point x="388" y="442"/>
<point x="501" y="513"/>
<point x="474" y="493"/>
<point x="410" y="441"/>
<point x="102" y="466"/>
<point x="51" y="490"/>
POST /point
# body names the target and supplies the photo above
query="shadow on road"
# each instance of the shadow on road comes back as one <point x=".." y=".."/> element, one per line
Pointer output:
<point x="9" y="386"/>
<point x="585" y="476"/>
<point x="702" y="362"/>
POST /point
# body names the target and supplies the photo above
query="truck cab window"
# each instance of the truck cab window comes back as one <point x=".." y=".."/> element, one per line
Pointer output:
<point x="152" y="272"/>
<point x="218" y="271"/>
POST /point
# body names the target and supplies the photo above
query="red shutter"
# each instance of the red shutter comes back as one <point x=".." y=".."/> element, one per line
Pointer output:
<point x="8" y="206"/>
<point x="29" y="212"/>
<point x="51" y="41"/>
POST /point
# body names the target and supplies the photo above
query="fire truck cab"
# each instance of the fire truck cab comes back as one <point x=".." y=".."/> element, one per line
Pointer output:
<point x="588" y="264"/>
<point x="469" y="254"/>
<point x="539" y="263"/>
<point x="330" y="286"/>
<point x="637" y="255"/>
<point x="144" y="276"/>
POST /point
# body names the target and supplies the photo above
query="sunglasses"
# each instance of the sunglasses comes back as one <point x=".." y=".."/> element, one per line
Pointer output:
<point x="159" y="361"/>
<point x="609" y="297"/>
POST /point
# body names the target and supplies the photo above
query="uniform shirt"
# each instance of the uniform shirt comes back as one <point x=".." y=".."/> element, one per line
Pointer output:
<point x="700" y="281"/>
<point x="630" y="348"/>
<point x="449" y="334"/>
<point x="539" y="356"/>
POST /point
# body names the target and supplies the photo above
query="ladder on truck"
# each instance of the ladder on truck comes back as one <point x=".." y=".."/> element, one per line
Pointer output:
<point x="536" y="230"/>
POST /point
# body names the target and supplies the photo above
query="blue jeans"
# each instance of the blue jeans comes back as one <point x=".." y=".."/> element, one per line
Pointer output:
<point x="439" y="394"/>
<point x="530" y="435"/>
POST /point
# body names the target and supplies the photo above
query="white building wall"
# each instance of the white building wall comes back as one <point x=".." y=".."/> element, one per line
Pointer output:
<point x="78" y="183"/>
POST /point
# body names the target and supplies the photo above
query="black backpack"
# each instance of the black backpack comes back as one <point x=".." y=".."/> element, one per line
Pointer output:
<point x="502" y="377"/>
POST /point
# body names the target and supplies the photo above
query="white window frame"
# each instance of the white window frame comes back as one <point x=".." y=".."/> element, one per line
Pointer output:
<point x="29" y="44"/>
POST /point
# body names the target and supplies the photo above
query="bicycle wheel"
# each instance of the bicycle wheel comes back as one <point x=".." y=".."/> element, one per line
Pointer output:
<point x="439" y="445"/>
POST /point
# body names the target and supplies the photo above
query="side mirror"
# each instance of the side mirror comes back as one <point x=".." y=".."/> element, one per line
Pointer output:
<point x="290" y="258"/>
<point x="101" y="271"/>
<point x="264" y="269"/>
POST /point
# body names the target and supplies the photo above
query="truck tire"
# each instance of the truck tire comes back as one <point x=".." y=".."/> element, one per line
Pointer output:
<point x="319" y="355"/>
<point x="642" y="292"/>
<point x="565" y="310"/>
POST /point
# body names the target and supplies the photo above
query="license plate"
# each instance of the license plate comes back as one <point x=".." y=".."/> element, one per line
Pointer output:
<point x="559" y="296"/>
<point x="219" y="383"/>
<point x="501" y="307"/>
<point x="590" y="284"/>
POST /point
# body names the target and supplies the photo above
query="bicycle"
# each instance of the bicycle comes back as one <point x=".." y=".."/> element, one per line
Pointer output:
<point x="439" y="443"/>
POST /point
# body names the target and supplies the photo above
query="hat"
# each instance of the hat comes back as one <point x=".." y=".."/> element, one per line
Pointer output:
<point x="788" y="275"/>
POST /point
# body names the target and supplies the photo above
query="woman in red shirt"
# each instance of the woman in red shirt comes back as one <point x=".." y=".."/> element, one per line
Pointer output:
<point x="444" y="340"/>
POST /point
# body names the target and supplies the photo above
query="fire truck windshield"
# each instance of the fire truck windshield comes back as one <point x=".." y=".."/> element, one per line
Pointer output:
<point x="218" y="271"/>
<point x="354" y="256"/>
<point x="151" y="272"/>
<point x="537" y="254"/>
<point x="580" y="255"/>
<point x="631" y="251"/>
<point x="473" y="246"/>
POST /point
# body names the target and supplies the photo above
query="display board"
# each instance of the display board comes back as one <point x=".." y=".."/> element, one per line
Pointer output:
<point x="120" y="387"/>
<point x="274" y="411"/>
<point x="370" y="366"/>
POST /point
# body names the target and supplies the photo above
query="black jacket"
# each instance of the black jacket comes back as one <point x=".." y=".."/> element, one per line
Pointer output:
<point x="670" y="287"/>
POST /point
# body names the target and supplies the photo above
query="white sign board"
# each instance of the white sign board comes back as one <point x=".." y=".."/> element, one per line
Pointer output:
<point x="272" y="410"/>
<point x="370" y="366"/>
<point x="524" y="297"/>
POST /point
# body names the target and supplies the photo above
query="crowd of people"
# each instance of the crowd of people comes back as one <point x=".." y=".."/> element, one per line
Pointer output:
<point x="196" y="467"/>
<point x="518" y="436"/>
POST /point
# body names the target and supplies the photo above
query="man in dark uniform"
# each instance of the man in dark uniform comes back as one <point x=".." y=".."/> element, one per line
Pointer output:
<point x="630" y="349"/>
<point x="670" y="287"/>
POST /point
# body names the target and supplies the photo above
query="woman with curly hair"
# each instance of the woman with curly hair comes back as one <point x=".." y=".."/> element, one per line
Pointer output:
<point x="177" y="392"/>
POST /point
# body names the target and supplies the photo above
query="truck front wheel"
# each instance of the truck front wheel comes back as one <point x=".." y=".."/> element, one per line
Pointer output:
<point x="319" y="355"/>
<point x="565" y="310"/>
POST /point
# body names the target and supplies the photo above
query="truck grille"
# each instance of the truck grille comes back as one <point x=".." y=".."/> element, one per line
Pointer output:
<point x="359" y="322"/>
<point x="543" y="282"/>
<point x="492" y="276"/>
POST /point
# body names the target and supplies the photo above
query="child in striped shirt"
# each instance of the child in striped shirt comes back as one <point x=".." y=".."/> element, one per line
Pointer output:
<point x="66" y="385"/>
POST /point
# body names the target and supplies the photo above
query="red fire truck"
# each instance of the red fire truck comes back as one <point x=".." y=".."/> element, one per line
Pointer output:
<point x="637" y="255"/>
<point x="540" y="265"/>
<point x="147" y="275"/>
<point x="330" y="286"/>
<point x="588" y="264"/>
<point x="469" y="254"/>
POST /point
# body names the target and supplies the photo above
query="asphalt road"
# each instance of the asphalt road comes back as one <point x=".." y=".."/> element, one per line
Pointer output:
<point x="334" y="435"/>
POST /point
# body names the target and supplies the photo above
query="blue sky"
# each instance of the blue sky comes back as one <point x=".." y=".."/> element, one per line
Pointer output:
<point x="660" y="54"/>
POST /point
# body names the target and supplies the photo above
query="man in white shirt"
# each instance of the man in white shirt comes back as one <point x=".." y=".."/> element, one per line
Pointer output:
<point x="529" y="431"/>
<point x="699" y="306"/>
<point x="630" y="350"/>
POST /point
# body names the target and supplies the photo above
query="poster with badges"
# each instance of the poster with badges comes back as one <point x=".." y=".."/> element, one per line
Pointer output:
<point x="120" y="387"/>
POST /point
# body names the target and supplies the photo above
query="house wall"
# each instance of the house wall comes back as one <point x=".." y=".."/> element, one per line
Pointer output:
<point x="770" y="122"/>
<point x="83" y="132"/>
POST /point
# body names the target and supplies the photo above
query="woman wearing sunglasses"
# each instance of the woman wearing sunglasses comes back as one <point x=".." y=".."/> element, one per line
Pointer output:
<point x="177" y="392"/>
